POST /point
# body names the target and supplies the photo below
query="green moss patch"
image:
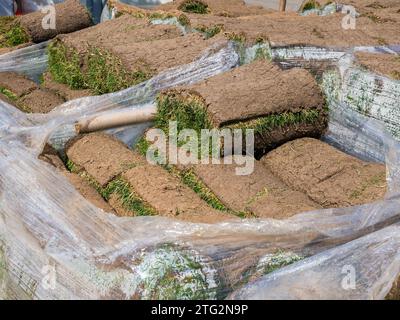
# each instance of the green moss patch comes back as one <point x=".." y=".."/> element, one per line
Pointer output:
<point x="11" y="33"/>
<point x="104" y="72"/>
<point x="194" y="6"/>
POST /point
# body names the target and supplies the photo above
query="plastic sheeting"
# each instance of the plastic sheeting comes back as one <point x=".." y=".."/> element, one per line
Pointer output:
<point x="56" y="245"/>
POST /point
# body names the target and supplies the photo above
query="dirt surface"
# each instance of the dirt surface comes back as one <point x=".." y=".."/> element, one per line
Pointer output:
<point x="39" y="101"/>
<point x="88" y="192"/>
<point x="16" y="83"/>
<point x="101" y="156"/>
<point x="223" y="8"/>
<point x="121" y="31"/>
<point x="384" y="64"/>
<point x="62" y="90"/>
<point x="169" y="196"/>
<point x="327" y="175"/>
<point x="373" y="27"/>
<point x="260" y="194"/>
<point x="51" y="156"/>
<point x="70" y="16"/>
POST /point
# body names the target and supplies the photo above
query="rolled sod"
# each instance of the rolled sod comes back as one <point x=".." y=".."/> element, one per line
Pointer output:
<point x="121" y="53"/>
<point x="131" y="185"/>
<point x="279" y="105"/>
<point x="224" y="8"/>
<point x="259" y="194"/>
<point x="328" y="176"/>
<point x="70" y="16"/>
<point x="27" y="95"/>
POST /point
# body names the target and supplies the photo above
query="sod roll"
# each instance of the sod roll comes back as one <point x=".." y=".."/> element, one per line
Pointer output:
<point x="70" y="16"/>
<point x="39" y="26"/>
<point x="279" y="105"/>
<point x="327" y="175"/>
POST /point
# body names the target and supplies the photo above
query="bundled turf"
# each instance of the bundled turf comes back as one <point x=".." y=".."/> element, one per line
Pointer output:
<point x="226" y="8"/>
<point x="70" y="16"/>
<point x="327" y="175"/>
<point x="279" y="105"/>
<point x="131" y="185"/>
<point x="121" y="53"/>
<point x="26" y="94"/>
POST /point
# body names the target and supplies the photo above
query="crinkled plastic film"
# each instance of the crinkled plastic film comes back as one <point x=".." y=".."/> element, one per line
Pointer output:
<point x="56" y="245"/>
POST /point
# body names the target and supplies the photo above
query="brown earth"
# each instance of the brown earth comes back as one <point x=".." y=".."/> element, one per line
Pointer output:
<point x="260" y="194"/>
<point x="237" y="98"/>
<point x="29" y="97"/>
<point x="70" y="16"/>
<point x="62" y="90"/>
<point x="384" y="64"/>
<point x="88" y="192"/>
<point x="328" y="176"/>
<point x="40" y="101"/>
<point x="101" y="156"/>
<point x="16" y="83"/>
<point x="121" y="31"/>
<point x="373" y="27"/>
<point x="223" y="8"/>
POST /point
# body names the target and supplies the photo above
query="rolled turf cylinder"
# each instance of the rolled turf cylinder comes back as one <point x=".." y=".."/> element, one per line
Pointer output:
<point x="70" y="16"/>
<point x="279" y="105"/>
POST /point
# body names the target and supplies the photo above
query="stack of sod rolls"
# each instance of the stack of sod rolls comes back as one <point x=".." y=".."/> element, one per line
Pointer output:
<point x="120" y="53"/>
<point x="279" y="105"/>
<point x="39" y="26"/>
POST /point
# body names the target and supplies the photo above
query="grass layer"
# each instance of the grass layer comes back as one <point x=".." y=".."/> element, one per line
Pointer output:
<point x="11" y="33"/>
<point x="190" y="113"/>
<point x="104" y="73"/>
<point x="194" y="6"/>
<point x="130" y="200"/>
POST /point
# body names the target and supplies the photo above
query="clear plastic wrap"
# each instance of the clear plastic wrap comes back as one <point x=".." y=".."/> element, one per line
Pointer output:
<point x="56" y="245"/>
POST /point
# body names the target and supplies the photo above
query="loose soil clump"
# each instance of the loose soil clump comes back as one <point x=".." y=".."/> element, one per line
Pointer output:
<point x="384" y="64"/>
<point x="279" y="105"/>
<point x="70" y="16"/>
<point x="328" y="176"/>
